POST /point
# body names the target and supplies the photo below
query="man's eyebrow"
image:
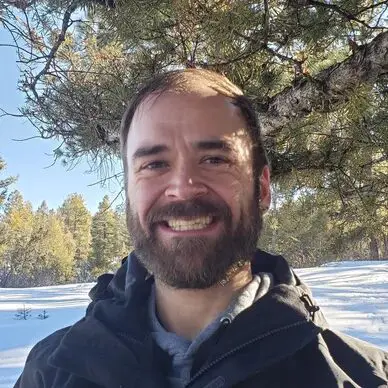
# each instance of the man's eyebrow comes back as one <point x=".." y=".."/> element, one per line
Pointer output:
<point x="213" y="145"/>
<point x="149" y="151"/>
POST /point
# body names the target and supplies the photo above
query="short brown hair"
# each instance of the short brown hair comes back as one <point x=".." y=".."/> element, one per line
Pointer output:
<point x="180" y="80"/>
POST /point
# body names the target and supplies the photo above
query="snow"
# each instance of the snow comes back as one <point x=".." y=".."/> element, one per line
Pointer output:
<point x="352" y="295"/>
<point x="64" y="305"/>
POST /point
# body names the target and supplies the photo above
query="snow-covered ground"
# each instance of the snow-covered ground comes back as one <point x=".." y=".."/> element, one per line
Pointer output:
<point x="64" y="305"/>
<point x="353" y="296"/>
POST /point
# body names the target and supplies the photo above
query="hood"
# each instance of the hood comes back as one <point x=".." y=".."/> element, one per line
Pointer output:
<point x="112" y="345"/>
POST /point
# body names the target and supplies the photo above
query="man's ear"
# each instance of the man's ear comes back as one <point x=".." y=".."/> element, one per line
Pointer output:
<point x="265" y="189"/>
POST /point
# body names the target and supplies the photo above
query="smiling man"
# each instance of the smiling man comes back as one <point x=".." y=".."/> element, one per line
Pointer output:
<point x="196" y="304"/>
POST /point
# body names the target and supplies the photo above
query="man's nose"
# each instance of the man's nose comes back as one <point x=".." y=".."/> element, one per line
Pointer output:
<point x="185" y="185"/>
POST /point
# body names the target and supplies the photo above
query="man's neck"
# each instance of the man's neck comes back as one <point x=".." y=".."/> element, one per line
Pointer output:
<point x="187" y="312"/>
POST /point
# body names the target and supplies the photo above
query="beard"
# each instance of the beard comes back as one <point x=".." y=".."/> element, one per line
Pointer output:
<point x="195" y="262"/>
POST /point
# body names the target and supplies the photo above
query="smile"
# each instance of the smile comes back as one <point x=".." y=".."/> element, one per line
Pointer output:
<point x="185" y="224"/>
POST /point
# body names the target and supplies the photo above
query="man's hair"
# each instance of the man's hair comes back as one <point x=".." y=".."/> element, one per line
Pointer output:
<point x="188" y="80"/>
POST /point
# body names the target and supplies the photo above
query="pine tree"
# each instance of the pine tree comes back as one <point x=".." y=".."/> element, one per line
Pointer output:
<point x="105" y="252"/>
<point x="36" y="249"/>
<point x="4" y="184"/>
<point x="52" y="251"/>
<point x="78" y="220"/>
<point x="17" y="225"/>
<point x="23" y="313"/>
<point x="123" y="240"/>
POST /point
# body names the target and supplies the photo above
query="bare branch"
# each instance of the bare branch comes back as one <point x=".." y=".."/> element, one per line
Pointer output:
<point x="107" y="178"/>
<point x="266" y="22"/>
<point x="5" y="113"/>
<point x="258" y="45"/>
<point x="347" y="15"/>
<point x="28" y="138"/>
<point x="16" y="47"/>
<point x="374" y="5"/>
<point x="66" y="23"/>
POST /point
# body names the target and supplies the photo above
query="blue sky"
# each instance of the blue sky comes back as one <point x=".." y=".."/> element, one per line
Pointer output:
<point x="29" y="160"/>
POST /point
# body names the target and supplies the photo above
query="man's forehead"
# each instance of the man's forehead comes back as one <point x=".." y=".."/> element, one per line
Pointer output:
<point x="194" y="117"/>
<point x="160" y="107"/>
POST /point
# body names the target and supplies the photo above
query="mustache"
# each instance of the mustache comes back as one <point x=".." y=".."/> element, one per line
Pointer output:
<point x="193" y="208"/>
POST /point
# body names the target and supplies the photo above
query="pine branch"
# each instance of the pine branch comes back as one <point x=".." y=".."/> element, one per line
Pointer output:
<point x="327" y="89"/>
<point x="66" y="23"/>
<point x="347" y="15"/>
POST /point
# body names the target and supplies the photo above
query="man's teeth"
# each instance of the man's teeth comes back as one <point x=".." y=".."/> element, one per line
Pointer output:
<point x="180" y="224"/>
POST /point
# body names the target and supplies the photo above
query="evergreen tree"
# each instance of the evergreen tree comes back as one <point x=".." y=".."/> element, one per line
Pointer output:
<point x="35" y="248"/>
<point x="53" y="251"/>
<point x="105" y="251"/>
<point x="297" y="60"/>
<point x="4" y="184"/>
<point x="300" y="230"/>
<point x="17" y="225"/>
<point x="78" y="220"/>
<point x="123" y="240"/>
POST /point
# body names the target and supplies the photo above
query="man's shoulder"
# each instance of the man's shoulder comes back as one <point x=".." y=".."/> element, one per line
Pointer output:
<point x="44" y="348"/>
<point x="37" y="372"/>
<point x="346" y="345"/>
<point x="364" y="361"/>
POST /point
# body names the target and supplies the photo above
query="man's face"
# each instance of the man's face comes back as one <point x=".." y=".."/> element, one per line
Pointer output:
<point x="190" y="199"/>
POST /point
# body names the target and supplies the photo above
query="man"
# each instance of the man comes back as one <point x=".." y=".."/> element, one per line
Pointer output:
<point x="196" y="305"/>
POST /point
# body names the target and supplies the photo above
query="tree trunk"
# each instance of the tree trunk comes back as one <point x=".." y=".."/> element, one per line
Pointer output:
<point x="373" y="247"/>
<point x="385" y="255"/>
<point x="328" y="88"/>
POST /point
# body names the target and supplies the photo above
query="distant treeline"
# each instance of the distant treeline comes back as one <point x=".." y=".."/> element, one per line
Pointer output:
<point x="311" y="228"/>
<point x="69" y="244"/>
<point x="46" y="246"/>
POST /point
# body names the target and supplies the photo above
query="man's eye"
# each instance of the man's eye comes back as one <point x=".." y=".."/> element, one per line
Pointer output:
<point x="215" y="160"/>
<point x="155" y="165"/>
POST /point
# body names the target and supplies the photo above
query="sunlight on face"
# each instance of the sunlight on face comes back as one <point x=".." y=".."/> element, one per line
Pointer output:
<point x="242" y="147"/>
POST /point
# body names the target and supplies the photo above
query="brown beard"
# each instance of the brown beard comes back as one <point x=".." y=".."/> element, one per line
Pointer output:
<point x="195" y="262"/>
